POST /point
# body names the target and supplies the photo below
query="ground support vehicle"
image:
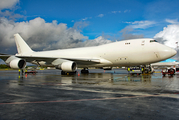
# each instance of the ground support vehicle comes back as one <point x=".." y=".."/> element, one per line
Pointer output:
<point x="170" y="72"/>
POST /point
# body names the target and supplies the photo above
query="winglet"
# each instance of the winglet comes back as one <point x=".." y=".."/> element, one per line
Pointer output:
<point x="22" y="46"/>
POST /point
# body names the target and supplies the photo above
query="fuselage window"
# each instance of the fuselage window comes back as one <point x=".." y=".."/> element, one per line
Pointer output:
<point x="127" y="43"/>
<point x="153" y="41"/>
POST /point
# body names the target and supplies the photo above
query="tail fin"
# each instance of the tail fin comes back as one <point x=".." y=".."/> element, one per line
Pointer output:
<point x="22" y="46"/>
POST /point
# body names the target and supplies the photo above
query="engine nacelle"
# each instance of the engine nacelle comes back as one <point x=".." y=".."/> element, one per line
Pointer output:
<point x="68" y="66"/>
<point x="17" y="63"/>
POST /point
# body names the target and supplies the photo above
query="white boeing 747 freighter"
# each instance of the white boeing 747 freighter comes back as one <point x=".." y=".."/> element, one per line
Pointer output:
<point x="132" y="52"/>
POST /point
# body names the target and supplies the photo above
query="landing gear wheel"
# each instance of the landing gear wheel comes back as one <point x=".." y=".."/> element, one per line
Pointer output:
<point x="85" y="71"/>
<point x="171" y="71"/>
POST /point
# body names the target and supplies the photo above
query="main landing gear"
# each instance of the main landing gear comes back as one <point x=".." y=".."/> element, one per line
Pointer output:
<point x="85" y="71"/>
<point x="146" y="70"/>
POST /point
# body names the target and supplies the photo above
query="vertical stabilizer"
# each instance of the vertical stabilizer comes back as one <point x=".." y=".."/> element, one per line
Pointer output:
<point x="22" y="46"/>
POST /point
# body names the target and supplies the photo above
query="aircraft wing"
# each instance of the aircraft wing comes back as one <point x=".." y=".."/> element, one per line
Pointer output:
<point x="51" y="59"/>
<point x="4" y="56"/>
<point x="35" y="58"/>
<point x="79" y="61"/>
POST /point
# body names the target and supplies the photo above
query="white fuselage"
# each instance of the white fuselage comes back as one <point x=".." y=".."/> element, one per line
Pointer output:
<point x="123" y="53"/>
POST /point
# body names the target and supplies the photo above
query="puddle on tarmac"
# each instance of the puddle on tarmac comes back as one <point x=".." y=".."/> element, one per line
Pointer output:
<point x="108" y="79"/>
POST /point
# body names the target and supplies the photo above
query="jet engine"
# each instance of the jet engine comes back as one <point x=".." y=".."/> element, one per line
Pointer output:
<point x="17" y="63"/>
<point x="68" y="66"/>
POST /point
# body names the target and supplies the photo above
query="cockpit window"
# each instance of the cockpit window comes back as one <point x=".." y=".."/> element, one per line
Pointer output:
<point x="153" y="41"/>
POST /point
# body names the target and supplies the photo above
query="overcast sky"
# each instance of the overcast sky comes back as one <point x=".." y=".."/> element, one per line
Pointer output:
<point x="59" y="24"/>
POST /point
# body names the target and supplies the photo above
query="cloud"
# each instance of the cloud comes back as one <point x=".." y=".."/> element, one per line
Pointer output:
<point x="127" y="33"/>
<point x="41" y="35"/>
<point x="169" y="36"/>
<point x="172" y="21"/>
<point x="10" y="15"/>
<point x="7" y="8"/>
<point x="101" y="15"/>
<point x="127" y="11"/>
<point x="98" y="41"/>
<point x="6" y="4"/>
<point x="114" y="12"/>
<point x="86" y="18"/>
<point x="80" y="25"/>
<point x="142" y="24"/>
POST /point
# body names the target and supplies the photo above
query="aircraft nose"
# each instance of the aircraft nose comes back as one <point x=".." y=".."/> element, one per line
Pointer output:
<point x="166" y="52"/>
<point x="173" y="52"/>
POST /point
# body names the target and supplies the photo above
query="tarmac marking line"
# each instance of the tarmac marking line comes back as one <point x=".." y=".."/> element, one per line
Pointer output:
<point x="79" y="100"/>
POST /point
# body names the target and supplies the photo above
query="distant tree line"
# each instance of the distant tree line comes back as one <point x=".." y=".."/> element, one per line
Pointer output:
<point x="3" y="66"/>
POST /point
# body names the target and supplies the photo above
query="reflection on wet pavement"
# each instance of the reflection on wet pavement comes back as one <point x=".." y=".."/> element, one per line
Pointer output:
<point x="115" y="79"/>
<point x="100" y="94"/>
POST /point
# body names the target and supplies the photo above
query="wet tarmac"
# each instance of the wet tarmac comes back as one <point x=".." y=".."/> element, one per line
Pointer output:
<point x="99" y="95"/>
